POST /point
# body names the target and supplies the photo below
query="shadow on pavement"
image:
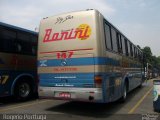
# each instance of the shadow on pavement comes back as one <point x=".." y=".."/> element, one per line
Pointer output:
<point x="5" y="101"/>
<point x="95" y="110"/>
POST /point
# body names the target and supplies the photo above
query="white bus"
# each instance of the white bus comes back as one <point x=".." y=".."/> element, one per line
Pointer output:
<point x="83" y="57"/>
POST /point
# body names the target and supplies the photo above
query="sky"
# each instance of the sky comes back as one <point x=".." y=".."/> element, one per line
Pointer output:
<point x="138" y="20"/>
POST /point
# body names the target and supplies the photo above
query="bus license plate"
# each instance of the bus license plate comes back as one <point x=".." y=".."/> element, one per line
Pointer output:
<point x="65" y="95"/>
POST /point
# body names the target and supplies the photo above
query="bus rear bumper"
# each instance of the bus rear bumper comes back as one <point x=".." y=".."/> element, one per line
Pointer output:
<point x="77" y="94"/>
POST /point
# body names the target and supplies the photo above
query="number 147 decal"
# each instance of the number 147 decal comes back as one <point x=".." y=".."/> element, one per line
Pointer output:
<point x="63" y="55"/>
<point x="3" y="79"/>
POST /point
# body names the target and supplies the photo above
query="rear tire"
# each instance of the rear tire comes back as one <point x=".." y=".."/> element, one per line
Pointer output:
<point x="23" y="90"/>
<point x="124" y="94"/>
<point x="140" y="86"/>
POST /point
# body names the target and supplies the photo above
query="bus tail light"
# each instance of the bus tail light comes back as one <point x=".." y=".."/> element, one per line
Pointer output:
<point x="98" y="81"/>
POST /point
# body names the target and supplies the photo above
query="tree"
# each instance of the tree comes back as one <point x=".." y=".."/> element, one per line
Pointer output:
<point x="148" y="54"/>
<point x="149" y="58"/>
<point x="158" y="61"/>
<point x="154" y="61"/>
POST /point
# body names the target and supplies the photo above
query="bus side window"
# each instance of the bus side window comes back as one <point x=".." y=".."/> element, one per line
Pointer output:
<point x="114" y="40"/>
<point x="34" y="45"/>
<point x="8" y="38"/>
<point x="24" y="42"/>
<point x="123" y="45"/>
<point x="119" y="43"/>
<point x="140" y="56"/>
<point x="108" y="37"/>
<point x="19" y="47"/>
<point x="133" y="49"/>
<point x="126" y="46"/>
<point x="129" y="50"/>
<point x="1" y="42"/>
<point x="135" y="52"/>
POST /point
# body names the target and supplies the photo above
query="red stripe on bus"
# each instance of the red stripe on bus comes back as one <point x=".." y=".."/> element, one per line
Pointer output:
<point x="65" y="51"/>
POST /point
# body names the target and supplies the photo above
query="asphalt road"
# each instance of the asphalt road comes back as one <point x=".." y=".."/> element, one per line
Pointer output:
<point x="139" y="104"/>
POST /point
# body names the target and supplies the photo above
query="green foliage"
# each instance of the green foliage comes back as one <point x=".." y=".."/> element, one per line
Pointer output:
<point x="148" y="54"/>
<point x="158" y="60"/>
<point x="149" y="58"/>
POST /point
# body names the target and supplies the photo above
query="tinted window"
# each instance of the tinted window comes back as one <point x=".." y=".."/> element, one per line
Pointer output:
<point x="1" y="45"/>
<point x="126" y="46"/>
<point x="7" y="43"/>
<point x="140" y="57"/>
<point x="123" y="45"/>
<point x="135" y="52"/>
<point x="34" y="44"/>
<point x="129" y="49"/>
<point x="24" y="43"/>
<point x="114" y="40"/>
<point x="108" y="37"/>
<point x="119" y="43"/>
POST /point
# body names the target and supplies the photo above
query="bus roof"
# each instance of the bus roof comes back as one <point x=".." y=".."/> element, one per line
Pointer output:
<point x="17" y="28"/>
<point x="70" y="13"/>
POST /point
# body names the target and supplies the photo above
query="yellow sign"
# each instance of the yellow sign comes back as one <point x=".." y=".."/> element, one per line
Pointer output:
<point x="86" y="31"/>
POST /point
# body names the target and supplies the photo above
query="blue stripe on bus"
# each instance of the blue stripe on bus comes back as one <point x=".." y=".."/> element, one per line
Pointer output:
<point x="51" y="75"/>
<point x="49" y="79"/>
<point x="76" y="79"/>
<point x="78" y="75"/>
<point x="79" y="61"/>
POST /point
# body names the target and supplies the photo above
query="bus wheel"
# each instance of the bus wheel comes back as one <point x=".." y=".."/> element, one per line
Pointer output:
<point x="23" y="90"/>
<point x="140" y="86"/>
<point x="124" y="94"/>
